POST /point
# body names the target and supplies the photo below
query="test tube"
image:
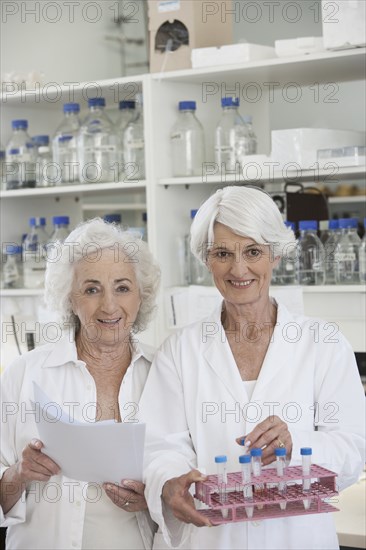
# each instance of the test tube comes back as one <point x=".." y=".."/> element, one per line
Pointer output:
<point x="246" y="478"/>
<point x="256" y="456"/>
<point x="221" y="466"/>
<point x="280" y="454"/>
<point x="306" y="453"/>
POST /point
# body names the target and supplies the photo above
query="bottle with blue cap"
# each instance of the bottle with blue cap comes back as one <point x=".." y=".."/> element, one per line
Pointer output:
<point x="20" y="158"/>
<point x="133" y="145"/>
<point x="12" y="268"/>
<point x="311" y="254"/>
<point x="46" y="173"/>
<point x="232" y="140"/>
<point x="60" y="233"/>
<point x="362" y="256"/>
<point x="347" y="253"/>
<point x="34" y="254"/>
<point x="330" y="247"/>
<point x="187" y="142"/>
<point x="98" y="146"/>
<point x="64" y="147"/>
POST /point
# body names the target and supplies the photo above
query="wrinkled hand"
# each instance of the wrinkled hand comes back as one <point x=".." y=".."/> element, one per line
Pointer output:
<point x="129" y="495"/>
<point x="268" y="435"/>
<point x="35" y="465"/>
<point x="177" y="496"/>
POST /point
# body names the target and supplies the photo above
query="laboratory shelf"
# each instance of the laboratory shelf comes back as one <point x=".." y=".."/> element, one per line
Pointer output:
<point x="91" y="207"/>
<point x="19" y="292"/>
<point x="265" y="174"/>
<point x="266" y="500"/>
<point x="302" y="69"/>
<point x="80" y="189"/>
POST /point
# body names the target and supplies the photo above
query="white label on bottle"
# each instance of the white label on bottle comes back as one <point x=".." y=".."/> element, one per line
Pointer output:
<point x="136" y="144"/>
<point x="101" y="149"/>
<point x="346" y="256"/>
<point x="168" y="5"/>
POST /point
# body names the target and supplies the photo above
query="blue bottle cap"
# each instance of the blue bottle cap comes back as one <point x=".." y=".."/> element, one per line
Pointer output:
<point x="11" y="249"/>
<point x="127" y="105"/>
<point x="37" y="221"/>
<point x="348" y="223"/>
<point x="112" y="218"/>
<point x="244" y="459"/>
<point x="290" y="225"/>
<point x="96" y="102"/>
<point x="71" y="108"/>
<point x="19" y="124"/>
<point x="41" y="140"/>
<point x="2" y="154"/>
<point x="308" y="225"/>
<point x="60" y="220"/>
<point x="64" y="139"/>
<point x="305" y="451"/>
<point x="193" y="213"/>
<point x="220" y="459"/>
<point x="187" y="105"/>
<point x="333" y="224"/>
<point x="14" y="151"/>
<point x="280" y="451"/>
<point x="144" y="216"/>
<point x="230" y="102"/>
<point x="256" y="452"/>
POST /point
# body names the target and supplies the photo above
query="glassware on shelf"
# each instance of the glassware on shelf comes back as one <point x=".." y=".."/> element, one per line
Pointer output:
<point x="64" y="147"/>
<point x="187" y="142"/>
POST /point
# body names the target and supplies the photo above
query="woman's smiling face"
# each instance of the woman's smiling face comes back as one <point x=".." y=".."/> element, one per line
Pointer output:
<point x="105" y="296"/>
<point x="241" y="268"/>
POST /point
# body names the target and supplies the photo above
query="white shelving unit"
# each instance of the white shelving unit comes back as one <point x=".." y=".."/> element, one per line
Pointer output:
<point x="168" y="200"/>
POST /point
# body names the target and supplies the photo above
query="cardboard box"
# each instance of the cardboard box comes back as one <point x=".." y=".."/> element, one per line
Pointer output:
<point x="343" y="23"/>
<point x="181" y="25"/>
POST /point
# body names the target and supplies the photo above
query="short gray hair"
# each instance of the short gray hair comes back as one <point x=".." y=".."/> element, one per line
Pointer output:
<point x="247" y="211"/>
<point x="92" y="236"/>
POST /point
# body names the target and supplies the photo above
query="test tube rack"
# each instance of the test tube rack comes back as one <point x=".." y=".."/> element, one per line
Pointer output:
<point x="266" y="497"/>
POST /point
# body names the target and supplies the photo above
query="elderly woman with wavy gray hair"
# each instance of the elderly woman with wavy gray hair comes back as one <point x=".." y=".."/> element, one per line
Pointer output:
<point x="104" y="283"/>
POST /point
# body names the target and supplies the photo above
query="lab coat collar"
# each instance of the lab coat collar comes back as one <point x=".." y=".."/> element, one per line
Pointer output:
<point x="220" y="358"/>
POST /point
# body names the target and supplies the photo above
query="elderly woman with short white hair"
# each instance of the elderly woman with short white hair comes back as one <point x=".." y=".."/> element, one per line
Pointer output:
<point x="251" y="368"/>
<point x="103" y="281"/>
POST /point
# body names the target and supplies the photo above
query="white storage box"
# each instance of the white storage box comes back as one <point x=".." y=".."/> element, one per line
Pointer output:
<point x="343" y="23"/>
<point x="230" y="54"/>
<point x="299" y="46"/>
<point x="300" y="145"/>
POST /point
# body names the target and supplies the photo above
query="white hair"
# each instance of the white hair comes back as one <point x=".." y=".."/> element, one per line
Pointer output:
<point x="248" y="212"/>
<point x="91" y="237"/>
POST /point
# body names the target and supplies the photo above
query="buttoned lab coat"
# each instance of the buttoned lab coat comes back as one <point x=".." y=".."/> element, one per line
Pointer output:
<point x="195" y="406"/>
<point x="51" y="514"/>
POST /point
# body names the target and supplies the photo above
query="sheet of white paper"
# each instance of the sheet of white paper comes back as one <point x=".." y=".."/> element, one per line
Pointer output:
<point x="94" y="452"/>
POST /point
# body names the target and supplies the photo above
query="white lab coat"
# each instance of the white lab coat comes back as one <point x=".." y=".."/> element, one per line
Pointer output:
<point x="195" y="405"/>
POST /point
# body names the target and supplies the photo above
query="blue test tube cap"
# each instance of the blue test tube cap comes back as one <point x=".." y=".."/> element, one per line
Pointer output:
<point x="244" y="459"/>
<point x="220" y="459"/>
<point x="280" y="451"/>
<point x="256" y="452"/>
<point x="306" y="451"/>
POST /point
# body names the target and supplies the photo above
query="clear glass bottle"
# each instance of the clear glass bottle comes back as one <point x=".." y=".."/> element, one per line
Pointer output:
<point x="45" y="168"/>
<point x="195" y="271"/>
<point x="134" y="146"/>
<point x="290" y="261"/>
<point x="34" y="254"/>
<point x="64" y="146"/>
<point x="253" y="142"/>
<point x="59" y="234"/>
<point x="98" y="146"/>
<point x="232" y="142"/>
<point x="362" y="256"/>
<point x="12" y="268"/>
<point x="20" y="157"/>
<point x="2" y="170"/>
<point x="347" y="251"/>
<point x="330" y="246"/>
<point x="311" y="255"/>
<point x="187" y="142"/>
